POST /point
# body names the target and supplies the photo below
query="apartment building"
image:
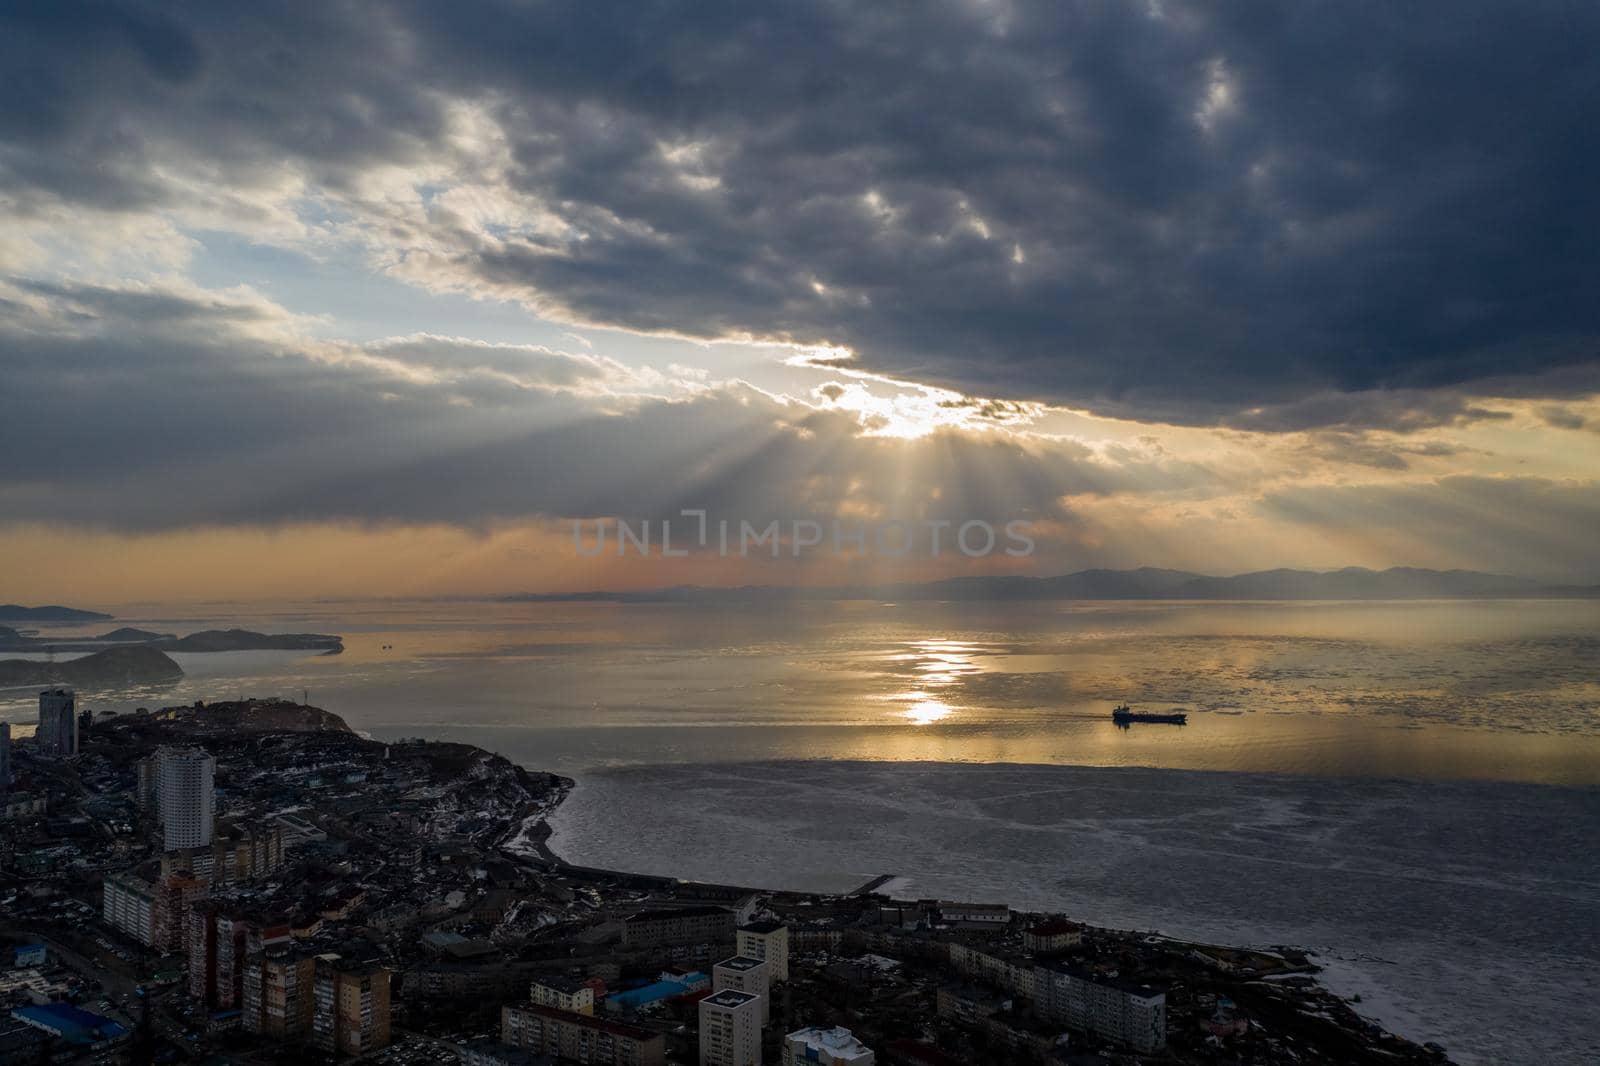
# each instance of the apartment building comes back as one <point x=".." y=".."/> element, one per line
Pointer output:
<point x="350" y="1002"/>
<point x="582" y="1038"/>
<point x="767" y="941"/>
<point x="687" y="925"/>
<point x="187" y="796"/>
<point x="744" y="974"/>
<point x="278" y="995"/>
<point x="220" y="941"/>
<point x="128" y="904"/>
<point x="174" y="894"/>
<point x="1013" y="972"/>
<point x="238" y="853"/>
<point x="1119" y="1010"/>
<point x="730" y="1029"/>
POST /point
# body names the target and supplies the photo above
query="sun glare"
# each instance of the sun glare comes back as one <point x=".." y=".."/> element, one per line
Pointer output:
<point x="926" y="712"/>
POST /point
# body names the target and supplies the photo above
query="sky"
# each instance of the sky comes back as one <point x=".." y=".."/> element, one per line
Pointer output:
<point x="355" y="299"/>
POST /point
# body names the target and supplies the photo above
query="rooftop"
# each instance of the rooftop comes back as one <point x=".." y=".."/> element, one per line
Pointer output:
<point x="72" y="1022"/>
<point x="1125" y="984"/>
<point x="740" y="962"/>
<point x="836" y="1039"/>
<point x="667" y="914"/>
<point x="730" y="997"/>
<point x="561" y="983"/>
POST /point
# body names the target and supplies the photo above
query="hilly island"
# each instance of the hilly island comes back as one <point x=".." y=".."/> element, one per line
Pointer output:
<point x="113" y="666"/>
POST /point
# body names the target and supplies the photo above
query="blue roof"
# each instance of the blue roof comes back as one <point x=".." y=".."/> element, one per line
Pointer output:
<point x="74" y="1023"/>
<point x="654" y="993"/>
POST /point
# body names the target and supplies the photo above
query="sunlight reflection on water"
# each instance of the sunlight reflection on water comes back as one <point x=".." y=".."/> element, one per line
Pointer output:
<point x="1488" y="690"/>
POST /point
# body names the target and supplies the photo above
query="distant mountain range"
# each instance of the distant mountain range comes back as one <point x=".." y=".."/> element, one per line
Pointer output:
<point x="15" y="612"/>
<point x="208" y="640"/>
<point x="1145" y="583"/>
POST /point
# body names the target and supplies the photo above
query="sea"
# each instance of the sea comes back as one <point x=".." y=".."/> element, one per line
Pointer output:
<point x="1411" y="790"/>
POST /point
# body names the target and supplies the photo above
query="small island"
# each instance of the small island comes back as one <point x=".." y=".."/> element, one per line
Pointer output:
<point x="248" y="640"/>
<point x="126" y="665"/>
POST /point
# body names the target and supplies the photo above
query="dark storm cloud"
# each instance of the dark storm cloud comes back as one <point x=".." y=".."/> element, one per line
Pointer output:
<point x="1205" y="213"/>
<point x="157" y="408"/>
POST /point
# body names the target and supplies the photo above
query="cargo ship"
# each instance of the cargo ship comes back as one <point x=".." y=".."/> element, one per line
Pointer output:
<point x="1122" y="714"/>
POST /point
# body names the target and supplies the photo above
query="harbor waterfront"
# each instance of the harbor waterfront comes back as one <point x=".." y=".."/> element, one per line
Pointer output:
<point x="1352" y="869"/>
<point x="445" y="901"/>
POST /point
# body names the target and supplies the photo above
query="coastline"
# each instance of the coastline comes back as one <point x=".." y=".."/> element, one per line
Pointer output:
<point x="1205" y="857"/>
<point x="455" y="800"/>
<point x="532" y="842"/>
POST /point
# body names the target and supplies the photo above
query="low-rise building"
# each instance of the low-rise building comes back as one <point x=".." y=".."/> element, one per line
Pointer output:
<point x="991" y="914"/>
<point x="825" y="1047"/>
<point x="668" y="986"/>
<point x="1052" y="935"/>
<point x="29" y="984"/>
<point x="72" y="1024"/>
<point x="562" y="993"/>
